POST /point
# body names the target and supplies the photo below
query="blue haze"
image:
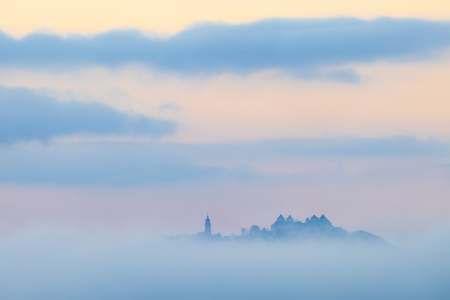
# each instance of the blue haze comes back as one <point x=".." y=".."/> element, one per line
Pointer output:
<point x="53" y="263"/>
<point x="136" y="163"/>
<point x="300" y="46"/>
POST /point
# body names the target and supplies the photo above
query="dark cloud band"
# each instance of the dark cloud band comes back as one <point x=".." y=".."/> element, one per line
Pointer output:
<point x="28" y="116"/>
<point x="297" y="45"/>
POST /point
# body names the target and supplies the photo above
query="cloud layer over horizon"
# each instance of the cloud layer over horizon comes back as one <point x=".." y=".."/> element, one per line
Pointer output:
<point x="28" y="116"/>
<point x="298" y="46"/>
<point x="151" y="163"/>
<point x="49" y="263"/>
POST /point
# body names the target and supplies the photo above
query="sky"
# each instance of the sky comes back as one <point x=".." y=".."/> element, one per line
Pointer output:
<point x="124" y="121"/>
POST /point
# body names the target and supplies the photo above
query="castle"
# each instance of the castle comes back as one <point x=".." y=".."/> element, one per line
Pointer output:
<point x="288" y="228"/>
<point x="314" y="225"/>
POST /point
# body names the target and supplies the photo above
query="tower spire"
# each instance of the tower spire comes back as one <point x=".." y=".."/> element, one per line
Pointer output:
<point x="207" y="225"/>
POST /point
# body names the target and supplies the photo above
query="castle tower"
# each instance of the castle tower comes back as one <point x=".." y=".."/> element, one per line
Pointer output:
<point x="279" y="224"/>
<point x="207" y="226"/>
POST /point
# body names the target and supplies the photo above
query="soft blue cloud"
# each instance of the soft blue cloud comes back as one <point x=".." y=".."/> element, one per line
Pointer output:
<point x="300" y="46"/>
<point x="399" y="146"/>
<point x="170" y="107"/>
<point x="131" y="163"/>
<point x="345" y="75"/>
<point x="100" y="163"/>
<point x="27" y="116"/>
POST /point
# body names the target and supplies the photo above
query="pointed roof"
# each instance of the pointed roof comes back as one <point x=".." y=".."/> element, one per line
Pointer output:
<point x="314" y="218"/>
<point x="289" y="219"/>
<point x="280" y="218"/>
<point x="207" y="217"/>
<point x="324" y="220"/>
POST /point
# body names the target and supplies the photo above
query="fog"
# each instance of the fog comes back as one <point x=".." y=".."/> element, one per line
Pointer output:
<point x="66" y="263"/>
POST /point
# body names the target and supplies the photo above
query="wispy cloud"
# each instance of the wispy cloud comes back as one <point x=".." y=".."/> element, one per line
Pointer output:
<point x="300" y="46"/>
<point x="28" y="116"/>
<point x="135" y="163"/>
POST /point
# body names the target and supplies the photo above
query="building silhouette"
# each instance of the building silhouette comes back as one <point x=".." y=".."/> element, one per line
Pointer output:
<point x="207" y="226"/>
<point x="207" y="234"/>
<point x="288" y="228"/>
<point x="312" y="226"/>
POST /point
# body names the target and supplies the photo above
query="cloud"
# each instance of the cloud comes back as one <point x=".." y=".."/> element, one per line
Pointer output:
<point x="345" y="75"/>
<point x="28" y="116"/>
<point x="135" y="163"/>
<point x="98" y="264"/>
<point x="399" y="146"/>
<point x="392" y="147"/>
<point x="170" y="106"/>
<point x="300" y="46"/>
<point x="109" y="163"/>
